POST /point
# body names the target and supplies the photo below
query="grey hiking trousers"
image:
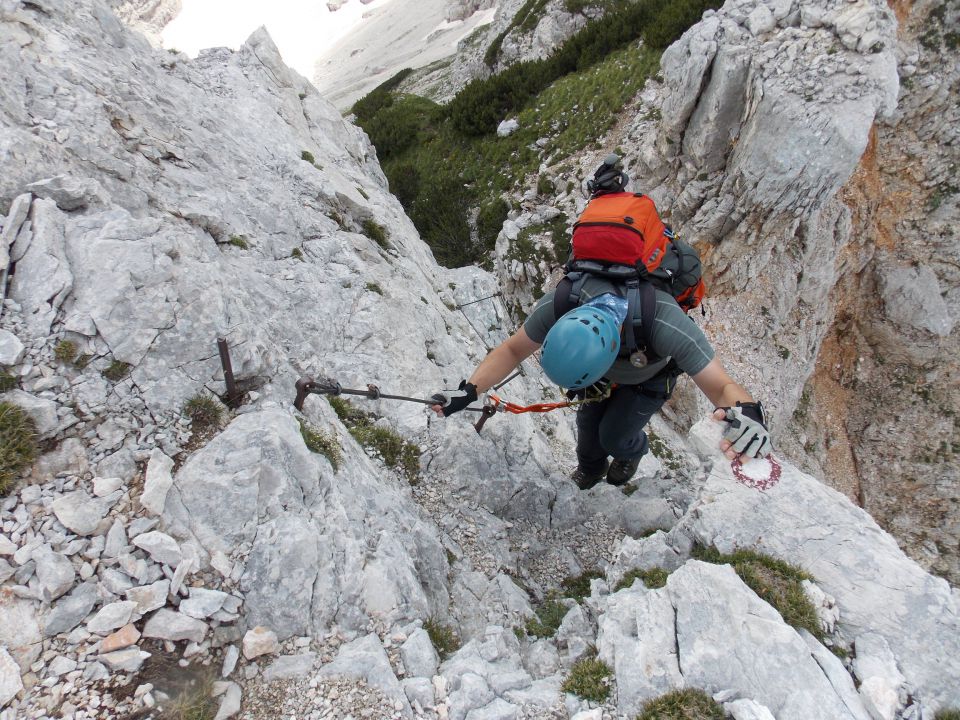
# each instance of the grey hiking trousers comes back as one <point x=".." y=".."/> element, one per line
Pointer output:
<point x="614" y="426"/>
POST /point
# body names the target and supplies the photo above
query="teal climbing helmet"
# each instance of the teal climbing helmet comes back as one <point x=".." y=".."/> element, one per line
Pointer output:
<point x="580" y="347"/>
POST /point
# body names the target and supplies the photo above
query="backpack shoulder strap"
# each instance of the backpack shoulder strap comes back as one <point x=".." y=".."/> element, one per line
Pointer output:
<point x="568" y="293"/>
<point x="641" y="296"/>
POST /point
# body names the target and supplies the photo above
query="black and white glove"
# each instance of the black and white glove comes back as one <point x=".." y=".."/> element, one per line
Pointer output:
<point x="747" y="429"/>
<point x="456" y="400"/>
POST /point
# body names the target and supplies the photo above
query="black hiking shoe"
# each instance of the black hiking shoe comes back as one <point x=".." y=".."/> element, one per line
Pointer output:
<point x="621" y="471"/>
<point x="586" y="480"/>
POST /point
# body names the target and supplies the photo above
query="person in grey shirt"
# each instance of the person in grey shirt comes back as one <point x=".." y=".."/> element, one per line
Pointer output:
<point x="613" y="427"/>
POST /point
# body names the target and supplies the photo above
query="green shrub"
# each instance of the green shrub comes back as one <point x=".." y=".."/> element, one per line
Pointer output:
<point x="549" y="615"/>
<point x="396" y="452"/>
<point x="947" y="715"/>
<point x="239" y="241"/>
<point x="297" y="253"/>
<point x="308" y="156"/>
<point x="205" y="412"/>
<point x="686" y="704"/>
<point x="480" y="105"/>
<point x="490" y="221"/>
<point x="65" y="351"/>
<point x="378" y="98"/>
<point x="117" y="371"/>
<point x="8" y="381"/>
<point x="652" y="578"/>
<point x="18" y="443"/>
<point x="589" y="679"/>
<point x="373" y="287"/>
<point x="376" y="232"/>
<point x="545" y="186"/>
<point x="443" y="637"/>
<point x="775" y="581"/>
<point x="321" y="443"/>
<point x="578" y="586"/>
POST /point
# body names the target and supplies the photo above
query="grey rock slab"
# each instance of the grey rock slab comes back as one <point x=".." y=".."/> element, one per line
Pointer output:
<point x="115" y="582"/>
<point x="61" y="665"/>
<point x="103" y="486"/>
<point x="80" y="513"/>
<point x="10" y="682"/>
<point x="11" y="349"/>
<point x="113" y="616"/>
<point x="366" y="659"/>
<point x="636" y="624"/>
<point x="41" y="410"/>
<point x="728" y="638"/>
<point x="419" y="691"/>
<point x="6" y="546"/>
<point x="69" y="193"/>
<point x="19" y="630"/>
<point x="6" y="571"/>
<point x="127" y="660"/>
<point x="116" y="540"/>
<point x="419" y="656"/>
<point x="230" y="705"/>
<point x="473" y="694"/>
<point x="54" y="571"/>
<point x="230" y="657"/>
<point x="70" y="610"/>
<point x="19" y="210"/>
<point x="850" y="556"/>
<point x="203" y="603"/>
<point x="499" y="709"/>
<point x="745" y="709"/>
<point x="837" y="675"/>
<point x="880" y="681"/>
<point x="160" y="547"/>
<point x="149" y="597"/>
<point x="287" y="667"/>
<point x="159" y="479"/>
<point x="167" y="624"/>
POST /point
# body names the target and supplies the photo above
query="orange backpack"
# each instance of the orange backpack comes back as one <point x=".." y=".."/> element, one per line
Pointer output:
<point x="620" y="237"/>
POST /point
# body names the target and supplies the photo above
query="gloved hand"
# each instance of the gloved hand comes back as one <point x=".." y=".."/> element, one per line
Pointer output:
<point x="451" y="401"/>
<point x="746" y="430"/>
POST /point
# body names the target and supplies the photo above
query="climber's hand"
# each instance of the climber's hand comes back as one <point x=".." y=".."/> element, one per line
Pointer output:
<point x="451" y="401"/>
<point x="746" y="435"/>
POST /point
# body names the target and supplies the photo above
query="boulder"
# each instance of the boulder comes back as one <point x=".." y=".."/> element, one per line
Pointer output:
<point x="160" y="547"/>
<point x="11" y="349"/>
<point x="70" y="610"/>
<point x="80" y="513"/>
<point x="157" y="483"/>
<point x="419" y="656"/>
<point x="10" y="682"/>
<point x="259" y="641"/>
<point x="166" y="624"/>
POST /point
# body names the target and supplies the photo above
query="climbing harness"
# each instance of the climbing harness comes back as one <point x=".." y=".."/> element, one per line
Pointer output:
<point x="762" y="484"/>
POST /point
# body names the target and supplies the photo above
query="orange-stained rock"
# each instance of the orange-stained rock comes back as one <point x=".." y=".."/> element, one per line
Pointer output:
<point x="124" y="637"/>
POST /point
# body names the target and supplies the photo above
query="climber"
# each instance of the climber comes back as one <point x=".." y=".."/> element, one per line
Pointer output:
<point x="630" y="381"/>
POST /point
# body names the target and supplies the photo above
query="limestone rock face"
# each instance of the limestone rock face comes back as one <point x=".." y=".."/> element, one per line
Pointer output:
<point x="281" y="496"/>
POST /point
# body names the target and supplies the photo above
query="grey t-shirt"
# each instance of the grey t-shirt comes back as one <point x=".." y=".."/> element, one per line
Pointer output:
<point x="675" y="336"/>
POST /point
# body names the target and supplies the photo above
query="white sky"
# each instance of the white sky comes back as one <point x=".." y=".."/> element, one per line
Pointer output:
<point x="303" y="29"/>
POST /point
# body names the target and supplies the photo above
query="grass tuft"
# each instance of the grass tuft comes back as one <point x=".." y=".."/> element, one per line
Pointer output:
<point x="8" y="381"/>
<point x="376" y="232"/>
<point x="396" y="452"/>
<point x="322" y="444"/>
<point x="297" y="253"/>
<point x="444" y="638"/>
<point x="686" y="704"/>
<point x="239" y="241"/>
<point x="18" y="443"/>
<point x="307" y="156"/>
<point x="578" y="586"/>
<point x="549" y="615"/>
<point x="205" y="412"/>
<point x="374" y="287"/>
<point x="65" y="351"/>
<point x="653" y="578"/>
<point x="589" y="679"/>
<point x="775" y="581"/>
<point x="948" y="714"/>
<point x="117" y="371"/>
